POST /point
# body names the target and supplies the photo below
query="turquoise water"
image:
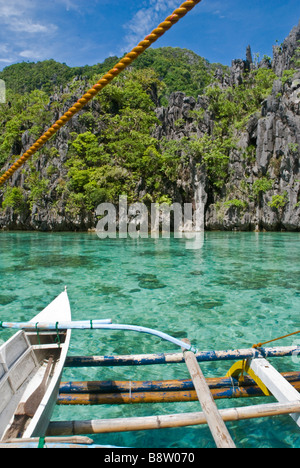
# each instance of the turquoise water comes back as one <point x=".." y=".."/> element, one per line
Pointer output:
<point x="238" y="289"/>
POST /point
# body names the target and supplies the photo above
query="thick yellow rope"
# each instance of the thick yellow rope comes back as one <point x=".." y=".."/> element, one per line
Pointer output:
<point x="259" y="345"/>
<point x="105" y="80"/>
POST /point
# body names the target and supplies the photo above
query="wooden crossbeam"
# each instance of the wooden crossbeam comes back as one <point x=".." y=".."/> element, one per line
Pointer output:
<point x="214" y="420"/>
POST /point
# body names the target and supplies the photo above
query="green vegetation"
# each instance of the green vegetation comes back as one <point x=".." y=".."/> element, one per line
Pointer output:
<point x="38" y="187"/>
<point x="179" y="69"/>
<point x="213" y="151"/>
<point x="279" y="201"/>
<point x="262" y="185"/>
<point x="240" y="204"/>
<point x="14" y="198"/>
<point x="115" y="153"/>
<point x="232" y="107"/>
<point x="287" y="75"/>
<point x="25" y="77"/>
<point x="104" y="166"/>
<point x="293" y="147"/>
<point x="296" y="56"/>
<point x="21" y="113"/>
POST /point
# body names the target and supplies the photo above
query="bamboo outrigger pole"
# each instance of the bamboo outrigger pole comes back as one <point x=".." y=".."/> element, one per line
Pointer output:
<point x="104" y="324"/>
<point x="130" y="392"/>
<point x="172" y="358"/>
<point x="106" y="426"/>
<point x="175" y="385"/>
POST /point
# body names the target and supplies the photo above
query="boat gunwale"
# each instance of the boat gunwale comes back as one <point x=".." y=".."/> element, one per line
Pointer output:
<point x="48" y="400"/>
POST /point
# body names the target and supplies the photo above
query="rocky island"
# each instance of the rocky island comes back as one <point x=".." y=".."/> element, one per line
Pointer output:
<point x="225" y="137"/>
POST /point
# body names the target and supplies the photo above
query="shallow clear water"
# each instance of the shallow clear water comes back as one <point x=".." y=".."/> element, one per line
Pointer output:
<point x="237" y="290"/>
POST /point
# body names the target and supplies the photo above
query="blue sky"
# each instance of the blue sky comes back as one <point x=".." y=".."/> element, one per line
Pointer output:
<point x="80" y="32"/>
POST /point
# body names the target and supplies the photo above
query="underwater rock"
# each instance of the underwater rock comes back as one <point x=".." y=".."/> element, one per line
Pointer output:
<point x="53" y="281"/>
<point x="7" y="299"/>
<point x="107" y="289"/>
<point x="149" y="281"/>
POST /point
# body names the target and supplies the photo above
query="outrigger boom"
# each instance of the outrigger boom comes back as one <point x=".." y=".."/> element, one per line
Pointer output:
<point x="104" y="324"/>
<point x="252" y="361"/>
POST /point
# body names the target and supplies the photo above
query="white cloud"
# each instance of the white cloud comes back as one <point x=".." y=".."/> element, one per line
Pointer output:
<point x="17" y="15"/>
<point x="4" y="48"/>
<point x="12" y="8"/>
<point x="146" y="19"/>
<point x="30" y="27"/>
<point x="6" y="60"/>
<point x="33" y="54"/>
<point x="23" y="30"/>
<point x="216" y="7"/>
<point x="15" y="9"/>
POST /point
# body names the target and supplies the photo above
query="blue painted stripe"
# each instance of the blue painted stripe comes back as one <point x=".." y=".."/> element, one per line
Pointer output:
<point x="164" y="358"/>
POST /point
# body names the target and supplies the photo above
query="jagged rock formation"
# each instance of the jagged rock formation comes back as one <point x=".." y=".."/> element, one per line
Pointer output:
<point x="284" y="54"/>
<point x="262" y="186"/>
<point x="275" y="138"/>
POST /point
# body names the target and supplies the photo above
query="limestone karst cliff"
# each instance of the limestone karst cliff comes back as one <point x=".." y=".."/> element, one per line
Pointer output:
<point x="262" y="187"/>
<point x="235" y="149"/>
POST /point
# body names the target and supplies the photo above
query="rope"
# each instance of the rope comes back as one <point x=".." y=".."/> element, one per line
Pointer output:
<point x="259" y="345"/>
<point x="104" y="81"/>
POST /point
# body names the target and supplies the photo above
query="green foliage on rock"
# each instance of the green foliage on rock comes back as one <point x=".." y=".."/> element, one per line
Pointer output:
<point x="111" y="150"/>
<point x="105" y="165"/>
<point x="232" y="106"/>
<point x="262" y="185"/>
<point x="179" y="69"/>
<point x="14" y="198"/>
<point x="279" y="201"/>
<point x="21" y="112"/>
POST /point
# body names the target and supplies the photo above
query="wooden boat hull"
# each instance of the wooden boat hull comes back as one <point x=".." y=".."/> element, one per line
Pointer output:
<point x="23" y="361"/>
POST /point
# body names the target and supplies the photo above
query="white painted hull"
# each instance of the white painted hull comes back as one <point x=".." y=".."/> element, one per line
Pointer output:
<point x="23" y="361"/>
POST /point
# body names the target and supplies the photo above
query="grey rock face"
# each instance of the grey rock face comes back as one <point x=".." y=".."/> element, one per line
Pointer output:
<point x="284" y="54"/>
<point x="273" y="139"/>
